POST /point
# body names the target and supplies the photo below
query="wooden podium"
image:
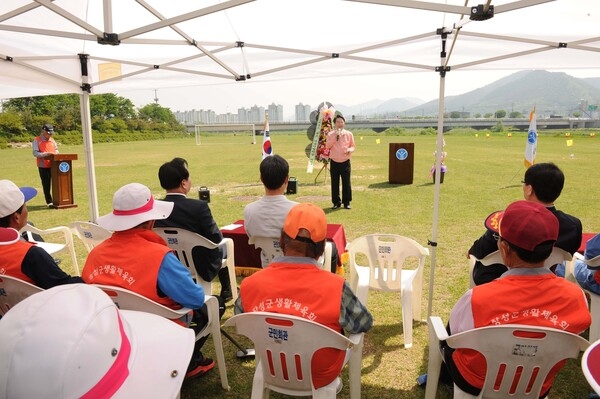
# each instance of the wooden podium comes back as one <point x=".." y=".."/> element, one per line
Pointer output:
<point x="62" y="180"/>
<point x="401" y="163"/>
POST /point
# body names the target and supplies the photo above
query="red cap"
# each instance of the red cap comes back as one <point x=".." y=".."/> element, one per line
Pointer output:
<point x="525" y="224"/>
<point x="306" y="216"/>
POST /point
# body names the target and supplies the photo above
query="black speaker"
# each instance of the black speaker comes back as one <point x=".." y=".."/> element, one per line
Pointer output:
<point x="292" y="187"/>
<point x="204" y="193"/>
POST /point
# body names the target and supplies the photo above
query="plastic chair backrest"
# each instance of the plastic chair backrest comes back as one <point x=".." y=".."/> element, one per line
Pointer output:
<point x="385" y="256"/>
<point x="270" y="248"/>
<point x="129" y="300"/>
<point x="378" y="260"/>
<point x="54" y="247"/>
<point x="284" y="348"/>
<point x="13" y="291"/>
<point x="510" y="350"/>
<point x="183" y="241"/>
<point x="558" y="255"/>
<point x="90" y="233"/>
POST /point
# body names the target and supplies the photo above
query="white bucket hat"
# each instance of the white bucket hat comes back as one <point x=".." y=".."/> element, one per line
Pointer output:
<point x="71" y="341"/>
<point x="133" y="204"/>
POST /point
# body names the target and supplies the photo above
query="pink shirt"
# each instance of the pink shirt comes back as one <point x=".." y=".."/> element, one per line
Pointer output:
<point x="340" y="149"/>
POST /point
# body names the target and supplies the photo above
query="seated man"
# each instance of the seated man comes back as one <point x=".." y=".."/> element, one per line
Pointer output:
<point x="543" y="183"/>
<point x="19" y="258"/>
<point x="527" y="232"/>
<point x="73" y="342"/>
<point x="585" y="273"/>
<point x="194" y="215"/>
<point x="295" y="277"/>
<point x="265" y="217"/>
<point x="137" y="259"/>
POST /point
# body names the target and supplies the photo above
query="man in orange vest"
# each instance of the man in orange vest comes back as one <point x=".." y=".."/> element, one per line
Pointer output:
<point x="44" y="146"/>
<point x="294" y="284"/>
<point x="528" y="293"/>
<point x="19" y="258"/>
<point x="138" y="259"/>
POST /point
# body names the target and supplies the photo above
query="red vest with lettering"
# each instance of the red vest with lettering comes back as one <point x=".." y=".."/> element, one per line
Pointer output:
<point x="130" y="259"/>
<point x="45" y="146"/>
<point x="304" y="291"/>
<point x="11" y="259"/>
<point x="540" y="300"/>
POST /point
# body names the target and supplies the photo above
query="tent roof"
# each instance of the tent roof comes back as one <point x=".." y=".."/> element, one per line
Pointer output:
<point x="179" y="43"/>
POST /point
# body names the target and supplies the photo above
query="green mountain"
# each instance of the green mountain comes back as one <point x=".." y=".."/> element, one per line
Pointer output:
<point x="552" y="93"/>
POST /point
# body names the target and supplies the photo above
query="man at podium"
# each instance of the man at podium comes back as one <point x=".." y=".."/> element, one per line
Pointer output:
<point x="43" y="147"/>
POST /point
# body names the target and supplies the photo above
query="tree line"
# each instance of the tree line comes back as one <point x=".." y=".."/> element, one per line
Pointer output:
<point x="113" y="118"/>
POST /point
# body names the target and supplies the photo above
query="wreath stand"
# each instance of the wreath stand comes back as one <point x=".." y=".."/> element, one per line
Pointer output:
<point x="324" y="167"/>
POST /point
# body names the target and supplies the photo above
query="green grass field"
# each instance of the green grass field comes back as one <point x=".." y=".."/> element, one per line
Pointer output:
<point x="484" y="175"/>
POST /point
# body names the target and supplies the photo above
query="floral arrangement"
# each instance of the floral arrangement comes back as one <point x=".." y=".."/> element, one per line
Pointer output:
<point x="327" y="114"/>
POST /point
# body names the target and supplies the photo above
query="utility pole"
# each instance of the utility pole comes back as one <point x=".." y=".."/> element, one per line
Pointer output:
<point x="156" y="96"/>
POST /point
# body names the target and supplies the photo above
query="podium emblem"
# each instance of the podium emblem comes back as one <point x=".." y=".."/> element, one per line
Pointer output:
<point x="64" y="167"/>
<point x="401" y="154"/>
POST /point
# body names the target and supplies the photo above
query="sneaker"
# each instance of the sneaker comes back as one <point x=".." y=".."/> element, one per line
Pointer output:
<point x="199" y="367"/>
<point x="347" y="206"/>
<point x="49" y="204"/>
<point x="336" y="206"/>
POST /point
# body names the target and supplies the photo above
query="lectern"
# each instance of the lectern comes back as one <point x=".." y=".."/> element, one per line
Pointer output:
<point x="62" y="180"/>
<point x="402" y="162"/>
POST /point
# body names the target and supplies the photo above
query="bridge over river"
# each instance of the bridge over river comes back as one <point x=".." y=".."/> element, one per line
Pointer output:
<point x="380" y="125"/>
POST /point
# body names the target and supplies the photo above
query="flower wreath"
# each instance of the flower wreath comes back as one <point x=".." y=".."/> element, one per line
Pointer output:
<point x="327" y="114"/>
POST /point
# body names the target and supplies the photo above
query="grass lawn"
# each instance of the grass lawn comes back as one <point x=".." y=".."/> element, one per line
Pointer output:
<point x="484" y="175"/>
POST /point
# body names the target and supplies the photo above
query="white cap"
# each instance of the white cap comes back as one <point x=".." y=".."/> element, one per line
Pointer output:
<point x="133" y="204"/>
<point x="12" y="197"/>
<point x="71" y="341"/>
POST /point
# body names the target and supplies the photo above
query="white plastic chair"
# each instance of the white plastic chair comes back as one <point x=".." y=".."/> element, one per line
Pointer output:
<point x="129" y="300"/>
<point x="90" y="233"/>
<point x="507" y="352"/>
<point x="594" y="298"/>
<point x="385" y="256"/>
<point x="270" y="249"/>
<point x="54" y="248"/>
<point x="13" y="291"/>
<point x="182" y="242"/>
<point x="558" y="255"/>
<point x="284" y="341"/>
<point x="589" y="367"/>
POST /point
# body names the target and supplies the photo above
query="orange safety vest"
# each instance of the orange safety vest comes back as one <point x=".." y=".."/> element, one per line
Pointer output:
<point x="129" y="259"/>
<point x="305" y="291"/>
<point x="45" y="146"/>
<point x="539" y="300"/>
<point x="11" y="259"/>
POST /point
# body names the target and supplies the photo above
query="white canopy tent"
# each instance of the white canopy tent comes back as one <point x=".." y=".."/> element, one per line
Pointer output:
<point x="102" y="46"/>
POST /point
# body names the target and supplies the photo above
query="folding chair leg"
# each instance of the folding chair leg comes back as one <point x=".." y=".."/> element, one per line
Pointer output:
<point x="215" y="331"/>
<point x="434" y="365"/>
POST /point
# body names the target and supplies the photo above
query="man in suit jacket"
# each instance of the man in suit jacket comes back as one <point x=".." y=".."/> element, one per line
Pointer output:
<point x="194" y="215"/>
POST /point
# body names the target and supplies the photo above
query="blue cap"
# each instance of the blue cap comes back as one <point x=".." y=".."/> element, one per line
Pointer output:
<point x="28" y="192"/>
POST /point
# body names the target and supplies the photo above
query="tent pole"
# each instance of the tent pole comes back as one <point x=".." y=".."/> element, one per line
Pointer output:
<point x="88" y="149"/>
<point x="88" y="146"/>
<point x="438" y="162"/>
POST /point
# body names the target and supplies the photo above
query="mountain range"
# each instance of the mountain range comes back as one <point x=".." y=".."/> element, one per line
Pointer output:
<point x="552" y="93"/>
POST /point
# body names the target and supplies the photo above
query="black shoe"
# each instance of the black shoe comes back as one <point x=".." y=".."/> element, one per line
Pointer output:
<point x="336" y="206"/>
<point x="226" y="295"/>
<point x="347" y="206"/>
